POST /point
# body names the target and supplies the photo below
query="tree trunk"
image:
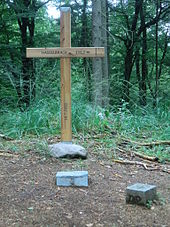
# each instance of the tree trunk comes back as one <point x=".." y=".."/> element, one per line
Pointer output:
<point x="129" y="44"/>
<point x="105" y="79"/>
<point x="97" y="62"/>
<point x="128" y="65"/>
<point x="28" y="74"/>
<point x="144" y="59"/>
<point x="138" y="74"/>
<point x="163" y="54"/>
<point x="144" y="72"/>
<point x="26" y="12"/>
<point x="84" y="43"/>
<point x="156" y="58"/>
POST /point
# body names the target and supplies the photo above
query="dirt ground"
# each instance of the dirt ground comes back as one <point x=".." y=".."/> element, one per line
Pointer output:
<point x="29" y="196"/>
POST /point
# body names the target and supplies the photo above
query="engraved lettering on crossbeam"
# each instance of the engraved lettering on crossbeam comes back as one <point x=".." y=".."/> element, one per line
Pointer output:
<point x="65" y="111"/>
<point x="82" y="52"/>
<point x="53" y="52"/>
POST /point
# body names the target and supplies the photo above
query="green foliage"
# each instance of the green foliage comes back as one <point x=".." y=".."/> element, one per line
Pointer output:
<point x="161" y="199"/>
<point x="43" y="118"/>
<point x="120" y="22"/>
<point x="143" y="123"/>
<point x="149" y="204"/>
<point x="40" y="118"/>
<point x="158" y="201"/>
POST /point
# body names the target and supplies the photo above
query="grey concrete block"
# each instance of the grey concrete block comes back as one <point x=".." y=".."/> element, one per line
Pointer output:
<point x="72" y="178"/>
<point x="140" y="193"/>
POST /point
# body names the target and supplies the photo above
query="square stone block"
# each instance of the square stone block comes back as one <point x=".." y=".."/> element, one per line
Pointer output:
<point x="140" y="193"/>
<point x="72" y="178"/>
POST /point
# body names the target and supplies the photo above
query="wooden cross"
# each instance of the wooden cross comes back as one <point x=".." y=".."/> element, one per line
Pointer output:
<point x="65" y="52"/>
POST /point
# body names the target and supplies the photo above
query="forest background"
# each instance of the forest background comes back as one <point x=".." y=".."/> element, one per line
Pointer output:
<point x="127" y="93"/>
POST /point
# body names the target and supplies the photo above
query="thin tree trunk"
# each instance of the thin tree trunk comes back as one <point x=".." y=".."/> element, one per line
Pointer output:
<point x="84" y="43"/>
<point x="163" y="55"/>
<point x="105" y="79"/>
<point x="16" y="76"/>
<point x="144" y="59"/>
<point x="129" y="58"/>
<point x="128" y="65"/>
<point x="156" y="59"/>
<point x="108" y="38"/>
<point x="97" y="62"/>
<point x="144" y="71"/>
<point x="137" y="54"/>
<point x="27" y="64"/>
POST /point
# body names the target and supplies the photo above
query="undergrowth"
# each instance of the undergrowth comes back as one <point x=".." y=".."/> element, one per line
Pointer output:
<point x="43" y="118"/>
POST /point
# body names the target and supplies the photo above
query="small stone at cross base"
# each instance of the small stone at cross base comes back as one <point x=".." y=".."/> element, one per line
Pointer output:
<point x="67" y="150"/>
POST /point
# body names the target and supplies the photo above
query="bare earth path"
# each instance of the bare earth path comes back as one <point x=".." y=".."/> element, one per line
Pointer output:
<point x="29" y="196"/>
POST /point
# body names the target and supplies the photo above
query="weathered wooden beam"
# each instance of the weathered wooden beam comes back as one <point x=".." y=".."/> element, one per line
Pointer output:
<point x="65" y="65"/>
<point x="65" y="52"/>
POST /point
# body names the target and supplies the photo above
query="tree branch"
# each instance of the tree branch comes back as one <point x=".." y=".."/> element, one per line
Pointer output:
<point x="42" y="4"/>
<point x="119" y="37"/>
<point x="164" y="54"/>
<point x="163" y="12"/>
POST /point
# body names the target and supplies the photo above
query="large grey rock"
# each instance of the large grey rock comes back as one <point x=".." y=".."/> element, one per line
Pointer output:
<point x="67" y="150"/>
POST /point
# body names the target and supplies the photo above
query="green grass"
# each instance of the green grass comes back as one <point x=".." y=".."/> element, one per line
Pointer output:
<point x="43" y="119"/>
<point x="147" y="127"/>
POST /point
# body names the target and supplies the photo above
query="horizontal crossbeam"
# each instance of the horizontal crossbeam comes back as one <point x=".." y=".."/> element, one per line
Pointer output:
<point x="65" y="52"/>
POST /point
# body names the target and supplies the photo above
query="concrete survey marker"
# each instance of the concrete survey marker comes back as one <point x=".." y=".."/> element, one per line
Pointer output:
<point x="72" y="178"/>
<point x="140" y="193"/>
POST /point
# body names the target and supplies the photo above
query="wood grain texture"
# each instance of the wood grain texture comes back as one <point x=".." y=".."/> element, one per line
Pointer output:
<point x="65" y="52"/>
<point x="65" y="64"/>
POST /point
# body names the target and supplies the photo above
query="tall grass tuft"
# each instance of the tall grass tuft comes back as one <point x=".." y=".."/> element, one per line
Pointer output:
<point x="41" y="118"/>
<point x="143" y="123"/>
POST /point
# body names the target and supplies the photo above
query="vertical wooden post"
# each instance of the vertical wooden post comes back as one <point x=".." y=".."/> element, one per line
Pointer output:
<point x="65" y="64"/>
